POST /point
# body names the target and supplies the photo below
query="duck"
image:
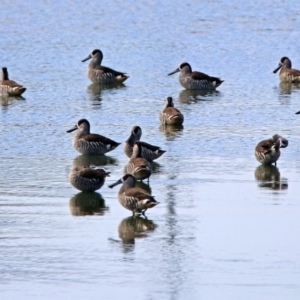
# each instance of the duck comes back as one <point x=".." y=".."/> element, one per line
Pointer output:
<point x="267" y="151"/>
<point x="10" y="87"/>
<point x="171" y="115"/>
<point x="133" y="198"/>
<point x="138" y="166"/>
<point x="86" y="179"/>
<point x="196" y="80"/>
<point x="287" y="74"/>
<point x="101" y="74"/>
<point x="150" y="152"/>
<point x="90" y="143"/>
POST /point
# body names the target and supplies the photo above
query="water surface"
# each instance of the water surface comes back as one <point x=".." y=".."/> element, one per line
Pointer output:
<point x="225" y="227"/>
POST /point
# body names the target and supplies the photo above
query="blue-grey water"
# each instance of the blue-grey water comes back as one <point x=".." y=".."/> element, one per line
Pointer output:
<point x="225" y="228"/>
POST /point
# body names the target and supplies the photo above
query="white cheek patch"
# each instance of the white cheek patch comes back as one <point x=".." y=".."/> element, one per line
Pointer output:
<point x="145" y="201"/>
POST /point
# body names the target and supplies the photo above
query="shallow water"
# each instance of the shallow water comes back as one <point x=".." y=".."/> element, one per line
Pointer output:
<point x="225" y="228"/>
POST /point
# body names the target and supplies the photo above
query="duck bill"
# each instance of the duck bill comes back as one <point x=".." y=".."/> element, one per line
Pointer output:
<point x="87" y="58"/>
<point x="114" y="184"/>
<point x="152" y="204"/>
<point x="72" y="129"/>
<point x="177" y="70"/>
<point x="276" y="70"/>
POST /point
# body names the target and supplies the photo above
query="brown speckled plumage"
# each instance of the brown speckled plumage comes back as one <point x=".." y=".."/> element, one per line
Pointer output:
<point x="138" y="166"/>
<point x="10" y="87"/>
<point x="100" y="74"/>
<point x="87" y="179"/>
<point x="90" y="143"/>
<point x="193" y="80"/>
<point x="133" y="198"/>
<point x="171" y="115"/>
<point x="268" y="151"/>
<point x="150" y="152"/>
<point x="287" y="74"/>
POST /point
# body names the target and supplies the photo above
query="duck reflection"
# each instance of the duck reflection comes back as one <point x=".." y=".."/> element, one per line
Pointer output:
<point x="286" y="88"/>
<point x="135" y="227"/>
<point x="86" y="160"/>
<point x="95" y="89"/>
<point x="155" y="167"/>
<point x="190" y="96"/>
<point x="269" y="177"/>
<point x="171" y="131"/>
<point x="5" y="100"/>
<point x="87" y="203"/>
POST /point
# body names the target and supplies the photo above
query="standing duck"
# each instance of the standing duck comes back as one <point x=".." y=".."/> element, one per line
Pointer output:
<point x="86" y="179"/>
<point x="287" y="74"/>
<point x="101" y="74"/>
<point x="138" y="166"/>
<point x="267" y="152"/>
<point x="171" y="115"/>
<point x="149" y="152"/>
<point x="90" y="143"/>
<point x="133" y="198"/>
<point x="196" y="80"/>
<point x="10" y="87"/>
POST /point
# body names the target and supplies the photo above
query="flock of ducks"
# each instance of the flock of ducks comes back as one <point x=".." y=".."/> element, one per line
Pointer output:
<point x="141" y="154"/>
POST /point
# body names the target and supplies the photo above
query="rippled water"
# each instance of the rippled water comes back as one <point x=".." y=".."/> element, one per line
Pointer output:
<point x="226" y="227"/>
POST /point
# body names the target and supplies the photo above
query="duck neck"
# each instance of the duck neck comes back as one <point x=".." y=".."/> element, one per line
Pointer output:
<point x="137" y="151"/>
<point x="83" y="130"/>
<point x="4" y="74"/>
<point x="287" y="64"/>
<point x="131" y="140"/>
<point x="129" y="183"/>
<point x="96" y="61"/>
<point x="170" y="103"/>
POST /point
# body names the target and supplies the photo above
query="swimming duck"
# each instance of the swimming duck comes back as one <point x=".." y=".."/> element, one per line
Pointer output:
<point x="287" y="74"/>
<point x="101" y="74"/>
<point x="196" y="80"/>
<point x="171" y="115"/>
<point x="10" y="87"/>
<point x="87" y="179"/>
<point x="90" y="143"/>
<point x="150" y="152"/>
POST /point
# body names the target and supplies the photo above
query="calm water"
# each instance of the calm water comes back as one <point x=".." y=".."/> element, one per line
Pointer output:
<point x="226" y="228"/>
